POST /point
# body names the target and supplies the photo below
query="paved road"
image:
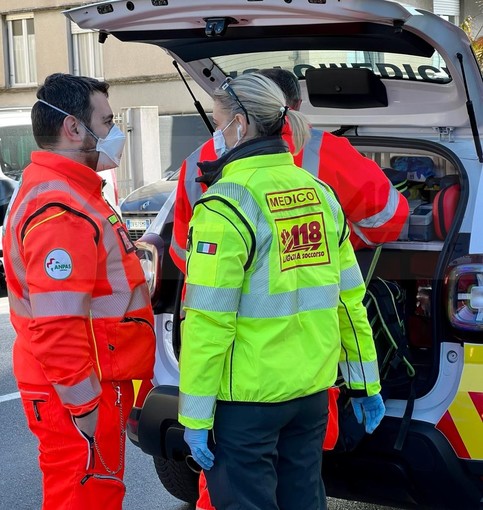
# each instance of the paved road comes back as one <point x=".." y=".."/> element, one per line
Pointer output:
<point x="20" y="481"/>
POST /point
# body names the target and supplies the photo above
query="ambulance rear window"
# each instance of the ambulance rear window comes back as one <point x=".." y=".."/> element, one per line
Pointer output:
<point x="386" y="65"/>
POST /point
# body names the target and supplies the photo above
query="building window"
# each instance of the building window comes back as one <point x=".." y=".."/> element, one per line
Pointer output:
<point x="21" y="50"/>
<point x="86" y="53"/>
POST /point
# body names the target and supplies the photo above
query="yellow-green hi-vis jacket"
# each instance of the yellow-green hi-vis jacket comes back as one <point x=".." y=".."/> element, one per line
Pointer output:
<point x="274" y="293"/>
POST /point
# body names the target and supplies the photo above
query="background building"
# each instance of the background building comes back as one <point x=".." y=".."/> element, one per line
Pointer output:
<point x="36" y="39"/>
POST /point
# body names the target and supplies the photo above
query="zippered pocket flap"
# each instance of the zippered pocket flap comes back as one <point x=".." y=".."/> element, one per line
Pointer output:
<point x="35" y="403"/>
<point x="101" y="491"/>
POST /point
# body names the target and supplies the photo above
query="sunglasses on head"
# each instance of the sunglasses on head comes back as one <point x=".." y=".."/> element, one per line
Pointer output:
<point x="229" y="90"/>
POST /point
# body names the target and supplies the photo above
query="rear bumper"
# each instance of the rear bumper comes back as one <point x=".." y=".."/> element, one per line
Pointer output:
<point x="425" y="472"/>
<point x="155" y="428"/>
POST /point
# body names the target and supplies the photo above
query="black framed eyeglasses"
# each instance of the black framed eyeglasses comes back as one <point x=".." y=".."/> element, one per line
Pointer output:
<point x="229" y="90"/>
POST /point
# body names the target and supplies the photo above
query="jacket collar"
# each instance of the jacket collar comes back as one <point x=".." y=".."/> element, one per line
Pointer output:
<point x="211" y="171"/>
<point x="76" y="172"/>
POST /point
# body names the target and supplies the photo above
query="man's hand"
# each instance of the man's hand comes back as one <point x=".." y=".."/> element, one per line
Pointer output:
<point x="197" y="440"/>
<point x="369" y="410"/>
<point x="87" y="423"/>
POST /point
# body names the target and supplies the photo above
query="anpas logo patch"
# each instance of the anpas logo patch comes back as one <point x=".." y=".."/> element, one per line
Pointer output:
<point x="58" y="264"/>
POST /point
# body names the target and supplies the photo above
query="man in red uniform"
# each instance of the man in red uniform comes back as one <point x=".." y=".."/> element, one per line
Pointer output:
<point x="375" y="210"/>
<point x="78" y="299"/>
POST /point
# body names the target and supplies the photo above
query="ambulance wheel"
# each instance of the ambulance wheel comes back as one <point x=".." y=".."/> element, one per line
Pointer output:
<point x="178" y="479"/>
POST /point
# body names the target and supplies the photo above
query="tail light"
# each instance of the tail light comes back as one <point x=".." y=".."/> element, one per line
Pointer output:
<point x="465" y="293"/>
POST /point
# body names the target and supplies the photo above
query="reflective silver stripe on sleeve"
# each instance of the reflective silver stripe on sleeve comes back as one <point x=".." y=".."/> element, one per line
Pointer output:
<point x="356" y="372"/>
<point x="81" y="393"/>
<point x="60" y="304"/>
<point x="180" y="252"/>
<point x="378" y="219"/>
<point x="311" y="155"/>
<point x="119" y="305"/>
<point x="351" y="278"/>
<point x="20" y="306"/>
<point x="359" y="234"/>
<point x="211" y="299"/>
<point x="263" y="306"/>
<point x="197" y="408"/>
<point x="334" y="207"/>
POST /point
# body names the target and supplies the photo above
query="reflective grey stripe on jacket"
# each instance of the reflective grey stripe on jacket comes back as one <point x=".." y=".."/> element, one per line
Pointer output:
<point x="196" y="407"/>
<point x="193" y="192"/>
<point x="359" y="372"/>
<point x="379" y="219"/>
<point x="79" y="393"/>
<point x="311" y="152"/>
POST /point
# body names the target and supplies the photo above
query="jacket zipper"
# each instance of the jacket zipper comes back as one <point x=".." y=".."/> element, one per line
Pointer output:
<point x="95" y="346"/>
<point x="36" y="409"/>
<point x="100" y="477"/>
<point x="138" y="319"/>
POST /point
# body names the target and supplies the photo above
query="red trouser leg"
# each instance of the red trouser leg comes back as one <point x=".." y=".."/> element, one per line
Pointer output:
<point x="204" y="501"/>
<point x="78" y="475"/>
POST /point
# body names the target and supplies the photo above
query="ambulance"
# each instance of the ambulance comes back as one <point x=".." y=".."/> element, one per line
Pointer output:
<point x="404" y="87"/>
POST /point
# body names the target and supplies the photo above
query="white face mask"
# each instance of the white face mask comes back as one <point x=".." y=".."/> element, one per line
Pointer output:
<point x="219" y="141"/>
<point x="109" y="148"/>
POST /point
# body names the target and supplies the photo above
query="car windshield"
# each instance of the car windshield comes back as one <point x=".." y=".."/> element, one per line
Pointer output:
<point x="386" y="65"/>
<point x="16" y="145"/>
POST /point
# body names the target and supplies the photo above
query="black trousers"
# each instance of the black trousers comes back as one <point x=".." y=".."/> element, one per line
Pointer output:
<point x="269" y="456"/>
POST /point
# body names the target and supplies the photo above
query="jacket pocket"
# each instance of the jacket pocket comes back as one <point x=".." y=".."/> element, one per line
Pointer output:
<point x="101" y="491"/>
<point x="130" y="349"/>
<point x="35" y="404"/>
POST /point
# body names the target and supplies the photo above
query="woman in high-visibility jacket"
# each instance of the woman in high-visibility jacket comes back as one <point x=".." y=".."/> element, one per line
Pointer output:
<point x="375" y="210"/>
<point x="273" y="305"/>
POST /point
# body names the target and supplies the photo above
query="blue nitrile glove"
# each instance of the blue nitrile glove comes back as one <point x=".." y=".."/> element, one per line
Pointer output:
<point x="197" y="440"/>
<point x="369" y="410"/>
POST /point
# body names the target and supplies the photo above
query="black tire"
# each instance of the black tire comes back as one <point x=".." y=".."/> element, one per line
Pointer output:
<point x="178" y="479"/>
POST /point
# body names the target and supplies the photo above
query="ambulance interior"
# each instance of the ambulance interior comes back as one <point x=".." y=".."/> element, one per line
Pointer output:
<point x="431" y="184"/>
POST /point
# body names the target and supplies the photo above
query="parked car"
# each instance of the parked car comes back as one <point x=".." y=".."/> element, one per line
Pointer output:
<point x="405" y="87"/>
<point x="179" y="135"/>
<point x="142" y="205"/>
<point x="16" y="144"/>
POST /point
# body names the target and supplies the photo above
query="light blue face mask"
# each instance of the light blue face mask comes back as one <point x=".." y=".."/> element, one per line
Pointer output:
<point x="219" y="141"/>
<point x="109" y="148"/>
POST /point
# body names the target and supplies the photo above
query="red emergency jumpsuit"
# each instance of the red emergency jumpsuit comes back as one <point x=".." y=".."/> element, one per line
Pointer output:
<point x="375" y="210"/>
<point x="84" y="328"/>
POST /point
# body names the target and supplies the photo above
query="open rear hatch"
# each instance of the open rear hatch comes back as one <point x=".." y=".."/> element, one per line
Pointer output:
<point x="420" y="58"/>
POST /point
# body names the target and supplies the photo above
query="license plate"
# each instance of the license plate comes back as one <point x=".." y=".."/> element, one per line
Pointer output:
<point x="137" y="224"/>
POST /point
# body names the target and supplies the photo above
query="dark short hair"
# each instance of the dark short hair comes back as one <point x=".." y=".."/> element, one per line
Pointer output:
<point x="69" y="93"/>
<point x="287" y="81"/>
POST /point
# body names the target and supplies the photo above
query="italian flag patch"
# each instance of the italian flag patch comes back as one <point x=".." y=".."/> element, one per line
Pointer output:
<point x="208" y="248"/>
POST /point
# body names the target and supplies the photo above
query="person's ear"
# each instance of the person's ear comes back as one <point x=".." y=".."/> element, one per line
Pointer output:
<point x="71" y="129"/>
<point x="241" y="120"/>
<point x="297" y="105"/>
